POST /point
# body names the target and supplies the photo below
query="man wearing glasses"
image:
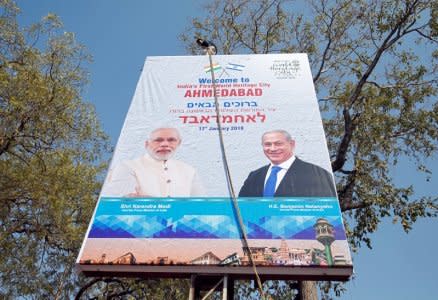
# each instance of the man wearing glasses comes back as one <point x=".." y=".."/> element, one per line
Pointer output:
<point x="156" y="174"/>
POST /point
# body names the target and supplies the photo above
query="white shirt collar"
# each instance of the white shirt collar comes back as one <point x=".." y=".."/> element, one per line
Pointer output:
<point x="284" y="168"/>
<point x="286" y="164"/>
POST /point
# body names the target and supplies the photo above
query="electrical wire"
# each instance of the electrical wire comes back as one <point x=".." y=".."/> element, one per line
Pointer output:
<point x="244" y="237"/>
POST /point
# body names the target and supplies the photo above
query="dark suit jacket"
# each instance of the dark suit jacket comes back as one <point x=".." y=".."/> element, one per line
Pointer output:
<point x="303" y="179"/>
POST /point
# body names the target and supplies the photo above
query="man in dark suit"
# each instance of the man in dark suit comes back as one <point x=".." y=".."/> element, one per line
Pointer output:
<point x="286" y="175"/>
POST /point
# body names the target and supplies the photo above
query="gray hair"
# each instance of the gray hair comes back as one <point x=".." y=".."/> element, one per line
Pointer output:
<point x="281" y="131"/>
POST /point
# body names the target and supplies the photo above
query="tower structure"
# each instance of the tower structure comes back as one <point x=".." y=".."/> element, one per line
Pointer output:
<point x="283" y="253"/>
<point x="325" y="234"/>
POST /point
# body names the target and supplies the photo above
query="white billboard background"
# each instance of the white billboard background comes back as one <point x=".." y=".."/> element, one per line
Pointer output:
<point x="288" y="102"/>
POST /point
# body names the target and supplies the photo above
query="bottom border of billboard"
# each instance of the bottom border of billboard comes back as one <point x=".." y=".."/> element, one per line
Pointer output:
<point x="298" y="273"/>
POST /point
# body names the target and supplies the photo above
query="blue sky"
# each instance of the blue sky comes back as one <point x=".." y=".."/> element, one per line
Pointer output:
<point x="121" y="34"/>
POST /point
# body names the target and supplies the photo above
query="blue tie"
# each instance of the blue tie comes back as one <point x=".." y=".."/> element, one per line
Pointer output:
<point x="269" y="190"/>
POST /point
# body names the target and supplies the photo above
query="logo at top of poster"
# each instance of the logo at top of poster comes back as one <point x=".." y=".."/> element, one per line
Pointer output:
<point x="229" y="67"/>
<point x="286" y="69"/>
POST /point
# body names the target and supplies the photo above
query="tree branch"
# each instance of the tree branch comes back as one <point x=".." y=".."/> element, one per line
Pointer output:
<point x="341" y="156"/>
<point x="86" y="286"/>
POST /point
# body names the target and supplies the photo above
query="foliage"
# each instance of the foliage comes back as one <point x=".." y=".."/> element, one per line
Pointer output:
<point x="374" y="64"/>
<point x="116" y="288"/>
<point x="375" y="69"/>
<point x="50" y="157"/>
<point x="273" y="289"/>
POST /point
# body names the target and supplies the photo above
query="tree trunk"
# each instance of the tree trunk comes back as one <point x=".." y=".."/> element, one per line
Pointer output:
<point x="308" y="290"/>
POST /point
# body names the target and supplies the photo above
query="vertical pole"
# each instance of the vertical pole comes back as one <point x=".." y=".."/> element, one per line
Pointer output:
<point x="225" y="288"/>
<point x="192" y="287"/>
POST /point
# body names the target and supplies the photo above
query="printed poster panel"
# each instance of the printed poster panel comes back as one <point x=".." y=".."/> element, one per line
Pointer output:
<point x="165" y="206"/>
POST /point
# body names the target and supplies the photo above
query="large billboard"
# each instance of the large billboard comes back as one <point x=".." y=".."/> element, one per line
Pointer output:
<point x="165" y="207"/>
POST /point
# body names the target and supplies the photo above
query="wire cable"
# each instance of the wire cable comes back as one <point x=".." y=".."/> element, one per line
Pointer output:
<point x="244" y="237"/>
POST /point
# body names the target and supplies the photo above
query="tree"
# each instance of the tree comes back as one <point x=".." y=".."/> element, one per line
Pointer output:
<point x="374" y="64"/>
<point x="117" y="288"/>
<point x="51" y="148"/>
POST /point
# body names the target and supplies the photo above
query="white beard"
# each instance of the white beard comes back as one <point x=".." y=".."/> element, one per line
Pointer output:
<point x="160" y="157"/>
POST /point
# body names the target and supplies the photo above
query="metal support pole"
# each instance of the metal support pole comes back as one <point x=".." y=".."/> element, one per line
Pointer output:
<point x="192" y="287"/>
<point x="225" y="288"/>
<point x="199" y="284"/>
